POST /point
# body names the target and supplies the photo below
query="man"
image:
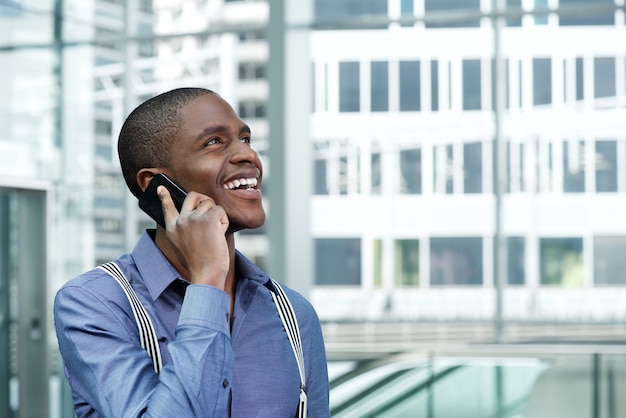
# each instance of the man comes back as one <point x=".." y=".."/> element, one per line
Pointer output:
<point x="224" y="348"/>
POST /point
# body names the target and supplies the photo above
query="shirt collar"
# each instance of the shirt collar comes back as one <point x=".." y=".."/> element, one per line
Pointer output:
<point x="158" y="274"/>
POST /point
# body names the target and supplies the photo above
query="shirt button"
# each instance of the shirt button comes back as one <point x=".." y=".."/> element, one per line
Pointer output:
<point x="225" y="383"/>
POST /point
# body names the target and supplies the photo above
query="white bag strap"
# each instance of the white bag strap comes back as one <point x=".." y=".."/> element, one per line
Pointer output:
<point x="288" y="316"/>
<point x="147" y="333"/>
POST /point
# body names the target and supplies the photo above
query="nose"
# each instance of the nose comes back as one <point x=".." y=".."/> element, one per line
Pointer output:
<point x="243" y="153"/>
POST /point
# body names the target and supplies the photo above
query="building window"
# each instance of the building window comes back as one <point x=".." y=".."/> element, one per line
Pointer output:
<point x="580" y="79"/>
<point x="453" y="5"/>
<point x="586" y="18"/>
<point x="103" y="127"/>
<point x="561" y="261"/>
<point x="411" y="171"/>
<point x="472" y="167"/>
<point x="573" y="166"/>
<point x="516" y="256"/>
<point x="378" y="262"/>
<point x="443" y="176"/>
<point x="514" y="6"/>
<point x="606" y="166"/>
<point x="407" y="262"/>
<point x="434" y="85"/>
<point x="541" y="19"/>
<point x="379" y="86"/>
<point x="406" y="10"/>
<point x="336" y="10"/>
<point x="108" y="225"/>
<point x="609" y="261"/>
<point x="251" y="110"/>
<point x="338" y="261"/>
<point x="542" y="81"/>
<point x="410" y="86"/>
<point x="251" y="71"/>
<point x="604" y="77"/>
<point x="321" y="180"/>
<point x="515" y="167"/>
<point x="456" y="261"/>
<point x="349" y="87"/>
<point x="471" y="85"/>
<point x="376" y="180"/>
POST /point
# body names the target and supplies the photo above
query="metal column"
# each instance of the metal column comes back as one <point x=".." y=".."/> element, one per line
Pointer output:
<point x="290" y="180"/>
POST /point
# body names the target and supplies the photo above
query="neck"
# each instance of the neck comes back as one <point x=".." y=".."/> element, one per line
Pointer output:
<point x="168" y="251"/>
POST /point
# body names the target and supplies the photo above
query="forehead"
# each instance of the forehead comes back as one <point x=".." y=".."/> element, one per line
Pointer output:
<point x="206" y="110"/>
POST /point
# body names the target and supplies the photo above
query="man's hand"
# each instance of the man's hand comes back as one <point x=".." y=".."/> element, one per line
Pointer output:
<point x="197" y="235"/>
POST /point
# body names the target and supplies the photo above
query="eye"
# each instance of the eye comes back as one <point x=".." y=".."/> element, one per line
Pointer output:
<point x="245" y="139"/>
<point x="212" y="141"/>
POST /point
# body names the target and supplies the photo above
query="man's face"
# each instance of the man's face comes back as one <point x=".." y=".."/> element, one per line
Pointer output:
<point x="212" y="155"/>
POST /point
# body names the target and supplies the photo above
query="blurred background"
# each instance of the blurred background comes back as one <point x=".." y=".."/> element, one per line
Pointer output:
<point x="445" y="180"/>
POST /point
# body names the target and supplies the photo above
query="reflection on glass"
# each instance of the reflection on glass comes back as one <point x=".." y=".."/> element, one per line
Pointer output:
<point x="516" y="256"/>
<point x="443" y="176"/>
<point x="606" y="166"/>
<point x="456" y="261"/>
<point x="561" y="261"/>
<point x="338" y="261"/>
<point x="376" y="180"/>
<point x="609" y="261"/>
<point x="573" y="166"/>
<point x="411" y="171"/>
<point x="407" y="261"/>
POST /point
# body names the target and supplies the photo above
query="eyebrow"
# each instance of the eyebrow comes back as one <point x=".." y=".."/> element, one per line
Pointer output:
<point x="211" y="130"/>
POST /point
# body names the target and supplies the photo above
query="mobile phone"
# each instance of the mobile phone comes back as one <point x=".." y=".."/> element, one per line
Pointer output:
<point x="150" y="203"/>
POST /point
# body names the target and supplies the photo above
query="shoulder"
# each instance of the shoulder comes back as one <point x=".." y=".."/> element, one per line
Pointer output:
<point x="95" y="285"/>
<point x="301" y="305"/>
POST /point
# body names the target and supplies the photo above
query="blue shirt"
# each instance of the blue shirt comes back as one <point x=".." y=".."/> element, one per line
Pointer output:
<point x="209" y="370"/>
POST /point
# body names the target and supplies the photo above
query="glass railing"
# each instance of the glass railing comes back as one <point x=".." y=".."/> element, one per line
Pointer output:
<point x="498" y="381"/>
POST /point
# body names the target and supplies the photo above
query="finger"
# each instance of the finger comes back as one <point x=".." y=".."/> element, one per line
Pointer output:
<point x="194" y="200"/>
<point x="169" y="210"/>
<point x="222" y="217"/>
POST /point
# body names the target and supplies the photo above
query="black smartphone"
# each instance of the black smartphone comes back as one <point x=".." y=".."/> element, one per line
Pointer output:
<point x="150" y="203"/>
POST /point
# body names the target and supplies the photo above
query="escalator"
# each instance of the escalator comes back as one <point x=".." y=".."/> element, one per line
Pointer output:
<point x="416" y="385"/>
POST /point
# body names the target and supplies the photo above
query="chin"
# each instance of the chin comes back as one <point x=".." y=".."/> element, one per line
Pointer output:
<point x="247" y="224"/>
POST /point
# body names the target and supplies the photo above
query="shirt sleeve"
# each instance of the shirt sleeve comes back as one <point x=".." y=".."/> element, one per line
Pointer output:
<point x="107" y="367"/>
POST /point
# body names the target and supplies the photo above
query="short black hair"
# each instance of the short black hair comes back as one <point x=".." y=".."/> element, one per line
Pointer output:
<point x="147" y="135"/>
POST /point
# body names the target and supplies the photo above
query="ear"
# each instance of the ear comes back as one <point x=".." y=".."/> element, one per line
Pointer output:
<point x="145" y="175"/>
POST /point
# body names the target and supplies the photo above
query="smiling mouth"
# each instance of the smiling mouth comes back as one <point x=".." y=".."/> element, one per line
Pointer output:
<point x="240" y="184"/>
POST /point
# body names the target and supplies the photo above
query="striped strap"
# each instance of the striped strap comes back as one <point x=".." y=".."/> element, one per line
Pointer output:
<point x="149" y="340"/>
<point x="147" y="333"/>
<point x="288" y="316"/>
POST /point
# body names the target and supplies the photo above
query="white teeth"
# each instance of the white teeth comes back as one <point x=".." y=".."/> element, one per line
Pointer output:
<point x="251" y="182"/>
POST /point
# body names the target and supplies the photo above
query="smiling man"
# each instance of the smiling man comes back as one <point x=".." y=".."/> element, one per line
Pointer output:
<point x="223" y="344"/>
